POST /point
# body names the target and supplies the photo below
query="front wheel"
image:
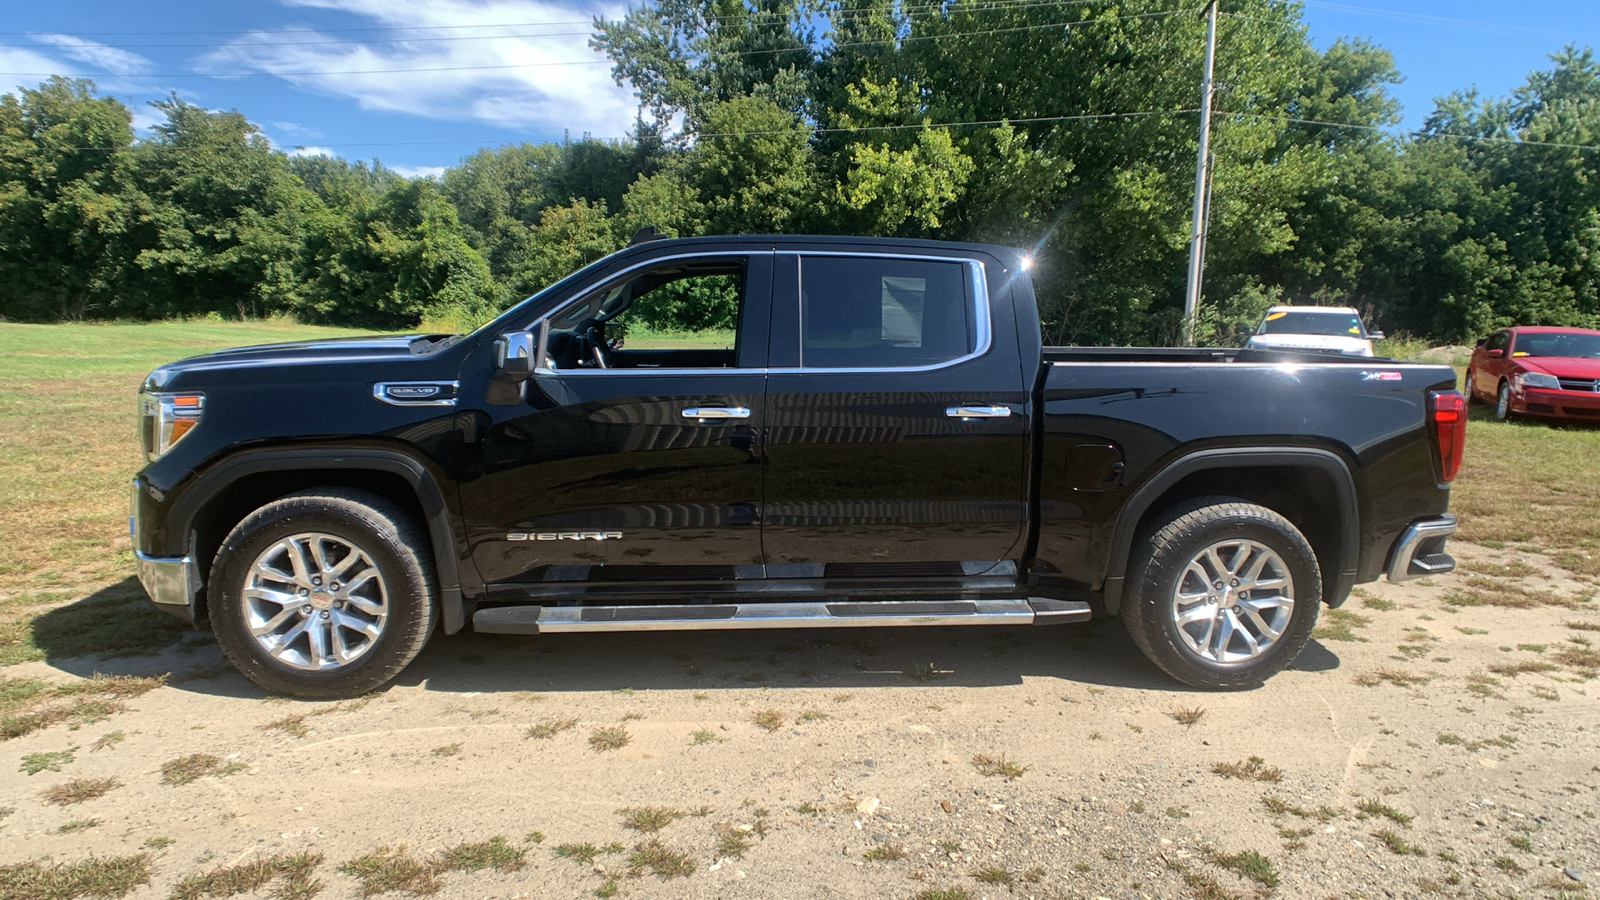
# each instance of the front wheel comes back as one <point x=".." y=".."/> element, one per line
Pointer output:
<point x="1502" y="402"/>
<point x="323" y="594"/>
<point x="1224" y="593"/>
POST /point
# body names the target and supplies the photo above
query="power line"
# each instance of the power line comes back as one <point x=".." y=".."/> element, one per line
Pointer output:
<point x="910" y="8"/>
<point x="798" y="49"/>
<point x="1420" y="134"/>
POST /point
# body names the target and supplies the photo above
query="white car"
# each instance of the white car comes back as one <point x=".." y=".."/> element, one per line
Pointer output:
<point x="1331" y="329"/>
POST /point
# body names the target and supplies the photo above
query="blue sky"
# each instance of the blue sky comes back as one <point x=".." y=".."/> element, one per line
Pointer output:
<point x="507" y="70"/>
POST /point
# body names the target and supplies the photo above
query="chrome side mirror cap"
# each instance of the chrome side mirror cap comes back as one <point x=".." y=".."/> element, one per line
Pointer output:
<point x="513" y="356"/>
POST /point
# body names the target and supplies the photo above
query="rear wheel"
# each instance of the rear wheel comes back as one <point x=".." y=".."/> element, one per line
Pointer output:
<point x="1224" y="593"/>
<point x="323" y="594"/>
<point x="1470" y="384"/>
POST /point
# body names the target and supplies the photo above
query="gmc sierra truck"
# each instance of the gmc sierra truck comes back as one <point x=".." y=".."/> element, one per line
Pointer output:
<point x="875" y="435"/>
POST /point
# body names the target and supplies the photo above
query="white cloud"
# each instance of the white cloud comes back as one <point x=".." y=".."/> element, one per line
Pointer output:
<point x="418" y="171"/>
<point x="23" y="68"/>
<point x="554" y="83"/>
<point x="114" y="60"/>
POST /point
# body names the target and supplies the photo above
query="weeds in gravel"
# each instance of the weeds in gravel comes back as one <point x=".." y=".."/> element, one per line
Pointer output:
<point x="294" y="725"/>
<point x="550" y="728"/>
<point x="1523" y="667"/>
<point x="609" y="737"/>
<point x="1248" y="864"/>
<point x="496" y="853"/>
<point x="47" y="761"/>
<point x="924" y="672"/>
<point x="649" y="819"/>
<point x="815" y="715"/>
<point x="1397" y="844"/>
<point x="1581" y="658"/>
<point x="1581" y="626"/>
<point x="732" y="844"/>
<point x="97" y="876"/>
<point x="1379" y="604"/>
<point x="79" y="790"/>
<point x="448" y="750"/>
<point x="78" y="825"/>
<point x="944" y="893"/>
<point x="1188" y="716"/>
<point x="1508" y="865"/>
<point x="662" y="861"/>
<point x="998" y="766"/>
<point x="293" y="874"/>
<point x="1396" y="677"/>
<point x="1204" y="886"/>
<point x="195" y="766"/>
<point x="393" y="869"/>
<point x="585" y="854"/>
<point x="994" y="875"/>
<point x="1375" y="807"/>
<point x="1253" y="769"/>
<point x="108" y="741"/>
<point x="1340" y="625"/>
<point x="705" y="736"/>
<point x="884" y="853"/>
<point x="770" y="719"/>
<point x="32" y="704"/>
<point x="1521" y="842"/>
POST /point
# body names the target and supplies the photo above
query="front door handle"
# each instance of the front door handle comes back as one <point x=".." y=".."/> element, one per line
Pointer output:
<point x="702" y="413"/>
<point x="978" y="412"/>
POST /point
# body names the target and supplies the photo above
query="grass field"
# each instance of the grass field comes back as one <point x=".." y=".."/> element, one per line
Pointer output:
<point x="67" y="450"/>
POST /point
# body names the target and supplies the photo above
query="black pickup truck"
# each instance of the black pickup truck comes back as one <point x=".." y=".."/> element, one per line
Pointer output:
<point x="874" y="436"/>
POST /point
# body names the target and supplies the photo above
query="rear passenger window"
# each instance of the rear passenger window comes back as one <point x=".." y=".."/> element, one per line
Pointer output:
<point x="864" y="312"/>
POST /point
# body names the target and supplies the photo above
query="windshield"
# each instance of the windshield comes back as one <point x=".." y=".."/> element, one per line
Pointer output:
<point x="1581" y="346"/>
<point x="1340" y="324"/>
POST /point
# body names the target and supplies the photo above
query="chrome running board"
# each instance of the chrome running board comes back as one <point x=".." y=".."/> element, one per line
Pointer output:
<point x="721" y="616"/>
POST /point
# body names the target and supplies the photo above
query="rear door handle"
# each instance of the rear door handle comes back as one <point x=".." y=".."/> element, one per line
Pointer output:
<point x="978" y="412"/>
<point x="716" y="412"/>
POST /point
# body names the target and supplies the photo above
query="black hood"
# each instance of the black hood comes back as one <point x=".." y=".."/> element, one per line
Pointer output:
<point x="330" y="351"/>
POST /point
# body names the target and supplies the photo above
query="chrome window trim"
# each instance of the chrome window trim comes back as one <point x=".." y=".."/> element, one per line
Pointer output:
<point x="982" y="315"/>
<point x="976" y="272"/>
<point x="543" y="322"/>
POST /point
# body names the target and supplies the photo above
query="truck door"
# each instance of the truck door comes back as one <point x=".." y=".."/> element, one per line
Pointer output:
<point x="634" y="456"/>
<point x="897" y="420"/>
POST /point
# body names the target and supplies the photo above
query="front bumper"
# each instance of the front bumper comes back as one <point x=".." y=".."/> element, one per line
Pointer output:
<point x="1560" y="403"/>
<point x="171" y="581"/>
<point x="1420" y="550"/>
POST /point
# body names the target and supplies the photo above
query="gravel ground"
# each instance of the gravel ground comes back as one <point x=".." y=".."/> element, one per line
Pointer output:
<point x="1417" y="748"/>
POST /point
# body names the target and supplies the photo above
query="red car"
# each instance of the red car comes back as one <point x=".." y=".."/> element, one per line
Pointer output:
<point x="1538" y="371"/>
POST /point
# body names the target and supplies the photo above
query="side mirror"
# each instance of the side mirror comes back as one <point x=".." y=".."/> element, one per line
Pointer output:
<point x="1494" y="354"/>
<point x="513" y="356"/>
<point x="1375" y="335"/>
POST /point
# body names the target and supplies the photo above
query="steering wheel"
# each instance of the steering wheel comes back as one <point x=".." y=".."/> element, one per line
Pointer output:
<point x="594" y="337"/>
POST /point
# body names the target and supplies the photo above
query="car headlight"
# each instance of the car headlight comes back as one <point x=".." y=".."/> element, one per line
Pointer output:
<point x="1539" y="380"/>
<point x="165" y="419"/>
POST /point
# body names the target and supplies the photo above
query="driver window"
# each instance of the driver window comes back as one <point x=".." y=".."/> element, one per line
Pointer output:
<point x="680" y="316"/>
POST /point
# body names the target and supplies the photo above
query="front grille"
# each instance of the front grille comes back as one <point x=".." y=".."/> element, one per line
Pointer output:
<point x="1579" y="384"/>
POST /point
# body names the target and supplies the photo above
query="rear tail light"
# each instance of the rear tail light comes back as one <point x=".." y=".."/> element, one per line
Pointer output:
<point x="1447" y="411"/>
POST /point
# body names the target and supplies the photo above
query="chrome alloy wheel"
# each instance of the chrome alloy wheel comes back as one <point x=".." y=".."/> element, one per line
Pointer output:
<point x="1234" y="601"/>
<point x="315" y="602"/>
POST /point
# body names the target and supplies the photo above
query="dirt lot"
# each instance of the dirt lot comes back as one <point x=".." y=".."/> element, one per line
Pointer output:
<point x="1419" y="746"/>
<point x="1436" y="738"/>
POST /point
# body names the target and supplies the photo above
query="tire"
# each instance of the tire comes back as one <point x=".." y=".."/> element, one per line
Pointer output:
<point x="1171" y="554"/>
<point x="359" y="633"/>
<point x="1472" y="391"/>
<point x="1502" y="402"/>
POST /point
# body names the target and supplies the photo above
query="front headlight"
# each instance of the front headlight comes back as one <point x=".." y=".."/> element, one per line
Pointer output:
<point x="165" y="419"/>
<point x="1540" y="380"/>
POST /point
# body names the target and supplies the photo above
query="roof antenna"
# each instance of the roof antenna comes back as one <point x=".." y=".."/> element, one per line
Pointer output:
<point x="647" y="234"/>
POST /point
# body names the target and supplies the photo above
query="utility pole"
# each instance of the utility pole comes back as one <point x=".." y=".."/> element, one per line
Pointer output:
<point x="1202" y="179"/>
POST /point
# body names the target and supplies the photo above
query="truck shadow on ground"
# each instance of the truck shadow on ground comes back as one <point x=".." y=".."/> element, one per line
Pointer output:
<point x="148" y="642"/>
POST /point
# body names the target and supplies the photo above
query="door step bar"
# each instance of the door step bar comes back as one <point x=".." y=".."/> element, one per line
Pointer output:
<point x="714" y="617"/>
